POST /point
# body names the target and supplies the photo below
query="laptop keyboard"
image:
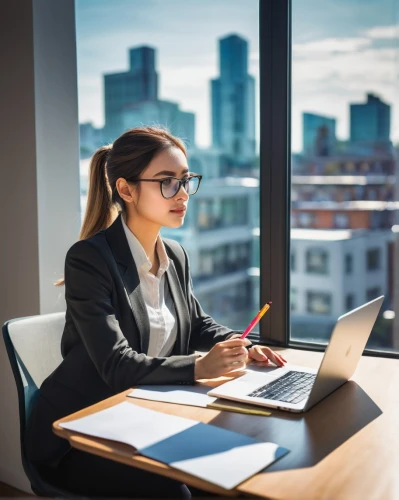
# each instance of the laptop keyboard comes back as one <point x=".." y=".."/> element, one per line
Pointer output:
<point x="292" y="387"/>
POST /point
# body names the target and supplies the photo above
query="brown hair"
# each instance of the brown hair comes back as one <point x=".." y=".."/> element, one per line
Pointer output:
<point x="127" y="157"/>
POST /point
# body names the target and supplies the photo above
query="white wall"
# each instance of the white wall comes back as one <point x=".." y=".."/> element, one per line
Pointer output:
<point x="302" y="281"/>
<point x="39" y="188"/>
<point x="361" y="280"/>
<point x="57" y="142"/>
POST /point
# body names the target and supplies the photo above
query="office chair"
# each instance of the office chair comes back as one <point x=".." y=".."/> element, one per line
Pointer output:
<point x="34" y="349"/>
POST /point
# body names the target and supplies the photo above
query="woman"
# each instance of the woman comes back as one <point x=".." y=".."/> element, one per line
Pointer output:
<point x="131" y="314"/>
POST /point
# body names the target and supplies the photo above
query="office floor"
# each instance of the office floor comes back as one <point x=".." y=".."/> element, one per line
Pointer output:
<point x="10" y="492"/>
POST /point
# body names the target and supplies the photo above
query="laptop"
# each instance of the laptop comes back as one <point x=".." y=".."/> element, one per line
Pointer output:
<point x="296" y="388"/>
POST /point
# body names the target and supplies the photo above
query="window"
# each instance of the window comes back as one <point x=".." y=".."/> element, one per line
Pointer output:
<point x="337" y="125"/>
<point x="372" y="293"/>
<point x="343" y="146"/>
<point x="306" y="219"/>
<point x="207" y="216"/>
<point x="348" y="263"/>
<point x="349" y="302"/>
<point x="316" y="261"/>
<point x="293" y="299"/>
<point x="373" y="259"/>
<point x="293" y="261"/>
<point x="205" y="264"/>
<point x="341" y="221"/>
<point x="318" y="303"/>
<point x="221" y="213"/>
<point x="202" y="84"/>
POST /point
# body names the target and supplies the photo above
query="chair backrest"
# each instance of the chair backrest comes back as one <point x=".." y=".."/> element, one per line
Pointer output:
<point x="34" y="349"/>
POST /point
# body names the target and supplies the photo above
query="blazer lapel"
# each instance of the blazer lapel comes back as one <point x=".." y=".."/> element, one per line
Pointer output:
<point x="180" y="307"/>
<point x="117" y="241"/>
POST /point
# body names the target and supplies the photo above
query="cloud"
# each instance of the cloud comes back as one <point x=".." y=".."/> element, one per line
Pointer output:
<point x="325" y="47"/>
<point x="371" y="64"/>
<point x="331" y="73"/>
<point x="383" y="32"/>
<point x="328" y="46"/>
<point x="254" y="57"/>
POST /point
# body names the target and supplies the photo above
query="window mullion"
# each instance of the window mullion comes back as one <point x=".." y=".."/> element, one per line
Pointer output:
<point x="275" y="146"/>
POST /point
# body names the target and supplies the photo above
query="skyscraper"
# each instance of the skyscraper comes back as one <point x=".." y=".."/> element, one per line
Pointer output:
<point x="370" y="121"/>
<point x="318" y="135"/>
<point x="233" y="102"/>
<point x="139" y="83"/>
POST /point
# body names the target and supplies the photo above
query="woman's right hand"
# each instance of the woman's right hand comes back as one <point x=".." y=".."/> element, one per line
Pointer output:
<point x="223" y="358"/>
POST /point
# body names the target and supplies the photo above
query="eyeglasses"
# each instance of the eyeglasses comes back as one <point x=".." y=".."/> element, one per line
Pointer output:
<point x="170" y="186"/>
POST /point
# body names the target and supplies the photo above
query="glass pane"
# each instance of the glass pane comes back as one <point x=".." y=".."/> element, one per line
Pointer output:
<point x="345" y="148"/>
<point x="190" y="66"/>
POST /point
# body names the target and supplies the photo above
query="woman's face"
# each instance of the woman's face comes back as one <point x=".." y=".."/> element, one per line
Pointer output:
<point x="149" y="204"/>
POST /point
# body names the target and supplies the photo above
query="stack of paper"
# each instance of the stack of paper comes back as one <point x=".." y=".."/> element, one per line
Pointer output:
<point x="193" y="395"/>
<point x="193" y="447"/>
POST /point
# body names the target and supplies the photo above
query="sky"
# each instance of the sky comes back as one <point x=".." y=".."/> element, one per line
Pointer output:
<point x="340" y="51"/>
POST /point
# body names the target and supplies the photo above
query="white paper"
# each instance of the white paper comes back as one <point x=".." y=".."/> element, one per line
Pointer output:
<point x="194" y="395"/>
<point x="242" y="462"/>
<point x="130" y="424"/>
<point x="217" y="455"/>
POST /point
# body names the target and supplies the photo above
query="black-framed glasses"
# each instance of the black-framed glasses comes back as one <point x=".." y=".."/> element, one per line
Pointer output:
<point x="170" y="186"/>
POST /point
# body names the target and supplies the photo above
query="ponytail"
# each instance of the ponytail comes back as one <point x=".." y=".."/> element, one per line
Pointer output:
<point x="100" y="211"/>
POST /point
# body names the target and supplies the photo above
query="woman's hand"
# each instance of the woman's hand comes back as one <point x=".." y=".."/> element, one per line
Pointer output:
<point x="222" y="358"/>
<point x="265" y="355"/>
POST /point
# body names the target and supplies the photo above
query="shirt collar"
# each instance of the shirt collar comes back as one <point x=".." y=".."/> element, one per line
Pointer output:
<point x="140" y="257"/>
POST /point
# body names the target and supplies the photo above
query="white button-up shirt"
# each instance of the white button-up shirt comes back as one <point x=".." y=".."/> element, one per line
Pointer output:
<point x="158" y="300"/>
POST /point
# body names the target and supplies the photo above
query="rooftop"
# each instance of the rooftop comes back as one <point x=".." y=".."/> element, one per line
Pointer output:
<point x="326" y="235"/>
<point x="357" y="180"/>
<point x="322" y="234"/>
<point x="361" y="205"/>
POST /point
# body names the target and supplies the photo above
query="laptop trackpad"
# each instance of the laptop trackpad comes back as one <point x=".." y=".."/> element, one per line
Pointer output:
<point x="260" y="367"/>
<point x="261" y="374"/>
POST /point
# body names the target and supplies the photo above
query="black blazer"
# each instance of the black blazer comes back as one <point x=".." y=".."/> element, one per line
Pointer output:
<point x="106" y="335"/>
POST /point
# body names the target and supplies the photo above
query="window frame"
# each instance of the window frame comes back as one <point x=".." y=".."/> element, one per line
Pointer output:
<point x="319" y="293"/>
<point x="372" y="292"/>
<point x="371" y="253"/>
<point x="324" y="255"/>
<point x="350" y="295"/>
<point x="348" y="263"/>
<point x="275" y="177"/>
<point x="275" y="167"/>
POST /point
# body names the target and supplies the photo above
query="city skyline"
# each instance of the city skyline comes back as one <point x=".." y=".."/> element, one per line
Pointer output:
<point x="131" y="98"/>
<point x="359" y="63"/>
<point x="127" y="93"/>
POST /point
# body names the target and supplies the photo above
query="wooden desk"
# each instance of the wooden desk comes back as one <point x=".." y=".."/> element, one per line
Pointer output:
<point x="346" y="447"/>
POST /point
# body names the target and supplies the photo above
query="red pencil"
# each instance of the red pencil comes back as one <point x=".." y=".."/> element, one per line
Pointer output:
<point x="256" y="319"/>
